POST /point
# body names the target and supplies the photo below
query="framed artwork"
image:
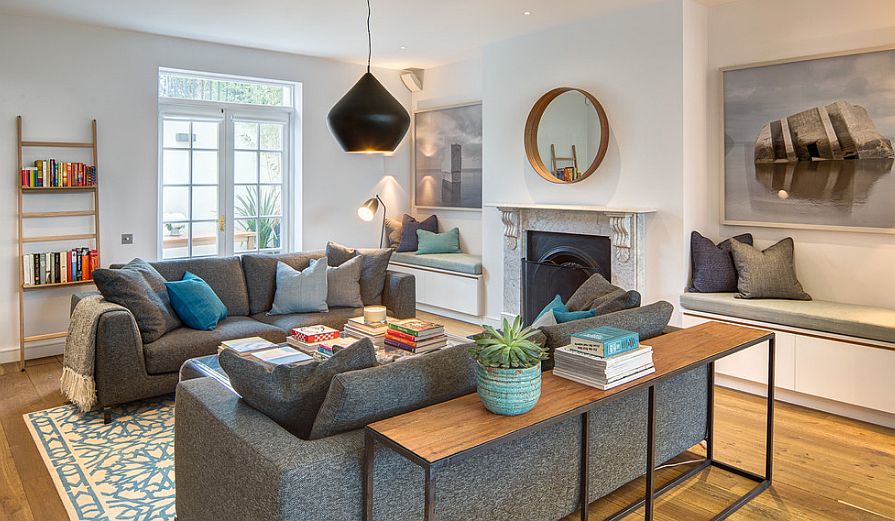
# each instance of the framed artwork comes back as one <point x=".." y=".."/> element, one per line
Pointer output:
<point x="447" y="157"/>
<point x="807" y="143"/>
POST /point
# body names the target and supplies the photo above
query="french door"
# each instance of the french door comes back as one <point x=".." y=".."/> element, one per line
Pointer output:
<point x="224" y="181"/>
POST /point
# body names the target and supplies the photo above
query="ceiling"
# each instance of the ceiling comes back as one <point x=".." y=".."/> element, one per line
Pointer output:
<point x="431" y="32"/>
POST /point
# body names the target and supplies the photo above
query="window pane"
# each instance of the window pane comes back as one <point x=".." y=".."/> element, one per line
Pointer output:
<point x="246" y="135"/>
<point x="245" y="201"/>
<point x="205" y="203"/>
<point x="205" y="134"/>
<point x="245" y="167"/>
<point x="184" y="85"/>
<point x="176" y="203"/>
<point x="272" y="136"/>
<point x="245" y="235"/>
<point x="205" y="239"/>
<point x="271" y="171"/>
<point x="174" y="240"/>
<point x="269" y="233"/>
<point x="270" y="201"/>
<point x="176" y="134"/>
<point x="176" y="167"/>
<point x="205" y="167"/>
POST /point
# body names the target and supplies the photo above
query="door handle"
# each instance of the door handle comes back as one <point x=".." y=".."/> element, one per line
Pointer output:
<point x="221" y="223"/>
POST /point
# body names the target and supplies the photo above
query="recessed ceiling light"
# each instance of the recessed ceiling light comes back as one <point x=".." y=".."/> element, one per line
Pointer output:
<point x="527" y="13"/>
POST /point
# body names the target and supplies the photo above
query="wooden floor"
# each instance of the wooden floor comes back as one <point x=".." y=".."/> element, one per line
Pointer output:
<point x="826" y="467"/>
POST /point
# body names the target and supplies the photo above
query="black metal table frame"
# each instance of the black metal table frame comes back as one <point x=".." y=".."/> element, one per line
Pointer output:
<point x="371" y="437"/>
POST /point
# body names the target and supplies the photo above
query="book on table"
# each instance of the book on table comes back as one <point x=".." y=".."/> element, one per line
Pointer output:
<point x="416" y="328"/>
<point x="582" y="361"/>
<point x="246" y="345"/>
<point x="318" y="333"/>
<point x="606" y="341"/>
<point x="326" y="348"/>
<point x="281" y="356"/>
<point x="415" y="336"/>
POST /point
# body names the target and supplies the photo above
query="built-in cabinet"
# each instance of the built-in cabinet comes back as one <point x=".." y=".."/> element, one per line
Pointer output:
<point x="451" y="293"/>
<point x="811" y="365"/>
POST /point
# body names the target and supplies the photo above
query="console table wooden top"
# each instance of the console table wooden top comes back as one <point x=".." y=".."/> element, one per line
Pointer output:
<point x="448" y="429"/>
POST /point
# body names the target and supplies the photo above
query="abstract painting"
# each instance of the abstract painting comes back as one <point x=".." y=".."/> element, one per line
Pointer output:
<point x="808" y="143"/>
<point x="447" y="157"/>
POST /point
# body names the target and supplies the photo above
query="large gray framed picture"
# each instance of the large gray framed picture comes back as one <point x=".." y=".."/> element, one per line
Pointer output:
<point x="447" y="157"/>
<point x="808" y="143"/>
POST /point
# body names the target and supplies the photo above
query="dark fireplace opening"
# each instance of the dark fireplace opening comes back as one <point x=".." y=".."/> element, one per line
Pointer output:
<point x="557" y="264"/>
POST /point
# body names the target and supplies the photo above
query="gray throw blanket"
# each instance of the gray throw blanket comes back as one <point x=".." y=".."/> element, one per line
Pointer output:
<point x="80" y="348"/>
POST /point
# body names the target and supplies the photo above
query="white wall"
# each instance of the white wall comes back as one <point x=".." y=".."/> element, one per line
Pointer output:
<point x="632" y="62"/>
<point x="58" y="75"/>
<point x="446" y="85"/>
<point x="842" y="266"/>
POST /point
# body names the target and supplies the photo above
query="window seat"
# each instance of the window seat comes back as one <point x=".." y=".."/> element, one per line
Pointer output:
<point x="459" y="262"/>
<point x="868" y="322"/>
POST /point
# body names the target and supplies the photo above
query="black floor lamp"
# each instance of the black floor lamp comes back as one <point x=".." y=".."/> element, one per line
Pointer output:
<point x="367" y="212"/>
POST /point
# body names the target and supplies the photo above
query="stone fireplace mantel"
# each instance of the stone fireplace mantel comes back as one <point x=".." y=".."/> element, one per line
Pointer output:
<point x="625" y="227"/>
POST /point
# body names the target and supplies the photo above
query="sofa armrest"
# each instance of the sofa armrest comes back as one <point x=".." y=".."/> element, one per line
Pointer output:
<point x="222" y="444"/>
<point x="79" y="296"/>
<point x="399" y="294"/>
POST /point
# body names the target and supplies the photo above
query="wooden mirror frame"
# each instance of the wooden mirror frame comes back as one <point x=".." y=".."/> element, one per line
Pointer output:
<point x="531" y="135"/>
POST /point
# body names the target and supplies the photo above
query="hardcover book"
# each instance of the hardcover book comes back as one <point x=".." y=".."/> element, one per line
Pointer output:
<point x="606" y="341"/>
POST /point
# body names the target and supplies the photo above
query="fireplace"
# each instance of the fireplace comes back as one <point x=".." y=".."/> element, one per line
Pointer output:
<point x="557" y="264"/>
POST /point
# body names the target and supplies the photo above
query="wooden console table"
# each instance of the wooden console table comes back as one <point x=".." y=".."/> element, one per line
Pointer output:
<point x="447" y="432"/>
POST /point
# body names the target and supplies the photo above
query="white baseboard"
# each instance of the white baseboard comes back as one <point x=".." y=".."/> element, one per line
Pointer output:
<point x="812" y="402"/>
<point x="33" y="350"/>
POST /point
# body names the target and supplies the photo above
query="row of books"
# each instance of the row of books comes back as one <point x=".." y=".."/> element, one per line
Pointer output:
<point x="266" y="351"/>
<point x="59" y="267"/>
<point x="415" y="336"/>
<point x="604" y="357"/>
<point x="49" y="173"/>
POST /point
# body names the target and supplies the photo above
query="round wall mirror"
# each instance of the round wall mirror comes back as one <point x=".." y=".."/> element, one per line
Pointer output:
<point x="566" y="135"/>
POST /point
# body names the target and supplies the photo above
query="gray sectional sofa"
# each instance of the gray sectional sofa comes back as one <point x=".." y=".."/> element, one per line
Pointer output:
<point x="127" y="370"/>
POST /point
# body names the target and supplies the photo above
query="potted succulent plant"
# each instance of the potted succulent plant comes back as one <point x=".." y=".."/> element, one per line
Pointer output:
<point x="508" y="369"/>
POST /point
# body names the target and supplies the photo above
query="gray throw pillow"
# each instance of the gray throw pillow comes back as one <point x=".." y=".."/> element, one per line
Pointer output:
<point x="712" y="266"/>
<point x="393" y="230"/>
<point x="647" y="321"/>
<point x="767" y="274"/>
<point x="288" y="394"/>
<point x="343" y="284"/>
<point x="141" y="289"/>
<point x="599" y="294"/>
<point x="300" y="291"/>
<point x="373" y="271"/>
<point x="358" y="398"/>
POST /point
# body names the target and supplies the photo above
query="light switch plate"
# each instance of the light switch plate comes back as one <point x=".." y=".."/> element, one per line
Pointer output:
<point x="127" y="238"/>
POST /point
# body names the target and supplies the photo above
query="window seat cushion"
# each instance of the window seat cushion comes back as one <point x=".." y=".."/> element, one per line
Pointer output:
<point x="459" y="262"/>
<point x="874" y="323"/>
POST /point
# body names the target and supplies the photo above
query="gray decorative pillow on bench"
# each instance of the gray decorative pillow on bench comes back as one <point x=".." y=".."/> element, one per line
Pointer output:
<point x="291" y="394"/>
<point x="768" y="274"/>
<point x="712" y="266"/>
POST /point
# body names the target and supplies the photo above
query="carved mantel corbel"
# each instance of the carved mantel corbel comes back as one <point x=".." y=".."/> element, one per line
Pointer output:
<point x="621" y="225"/>
<point x="510" y="219"/>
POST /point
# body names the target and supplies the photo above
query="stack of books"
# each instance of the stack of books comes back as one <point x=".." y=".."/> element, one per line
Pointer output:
<point x="326" y="348"/>
<point x="49" y="173"/>
<point x="604" y="357"/>
<point x="415" y="336"/>
<point x="59" y="267"/>
<point x="357" y="328"/>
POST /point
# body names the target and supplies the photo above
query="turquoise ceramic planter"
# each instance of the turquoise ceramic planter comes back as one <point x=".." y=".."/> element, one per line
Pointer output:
<point x="509" y="392"/>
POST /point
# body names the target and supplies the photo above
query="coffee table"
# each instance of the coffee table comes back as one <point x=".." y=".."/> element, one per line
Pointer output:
<point x="450" y="431"/>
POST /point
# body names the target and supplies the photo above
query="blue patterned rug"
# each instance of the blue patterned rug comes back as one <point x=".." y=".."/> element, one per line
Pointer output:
<point x="116" y="472"/>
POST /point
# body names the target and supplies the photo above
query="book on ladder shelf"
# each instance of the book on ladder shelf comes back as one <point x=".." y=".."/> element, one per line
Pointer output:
<point x="72" y="261"/>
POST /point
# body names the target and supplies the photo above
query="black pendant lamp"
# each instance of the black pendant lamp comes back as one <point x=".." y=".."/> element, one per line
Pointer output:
<point x="368" y="119"/>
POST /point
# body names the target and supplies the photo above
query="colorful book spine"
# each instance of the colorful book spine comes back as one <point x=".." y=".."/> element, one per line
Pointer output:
<point x="422" y="330"/>
<point x="48" y="173"/>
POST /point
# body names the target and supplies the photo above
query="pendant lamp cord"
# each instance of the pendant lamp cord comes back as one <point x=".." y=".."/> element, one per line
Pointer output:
<point x="369" y="37"/>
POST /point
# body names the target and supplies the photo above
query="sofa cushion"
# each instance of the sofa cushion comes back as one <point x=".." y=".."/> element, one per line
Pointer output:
<point x="372" y="274"/>
<point x="767" y="274"/>
<point x="459" y="262"/>
<point x="291" y="394"/>
<point x="141" y="289"/>
<point x="874" y="323"/>
<point x="169" y="352"/>
<point x="343" y="284"/>
<point x="712" y="266"/>
<point x="223" y="274"/>
<point x="196" y="303"/>
<point x="358" y="398"/>
<point x="261" y="275"/>
<point x="334" y="318"/>
<point x="647" y="321"/>
<point x="300" y="291"/>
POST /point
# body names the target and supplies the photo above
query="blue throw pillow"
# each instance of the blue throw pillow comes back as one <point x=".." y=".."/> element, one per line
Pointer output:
<point x="447" y="242"/>
<point x="195" y="303"/>
<point x="567" y="316"/>
<point x="554" y="305"/>
<point x="300" y="291"/>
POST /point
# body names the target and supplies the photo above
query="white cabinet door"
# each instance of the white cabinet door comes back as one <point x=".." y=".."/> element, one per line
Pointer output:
<point x="846" y="373"/>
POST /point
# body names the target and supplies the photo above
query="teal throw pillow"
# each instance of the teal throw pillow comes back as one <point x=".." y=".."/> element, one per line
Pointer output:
<point x="195" y="303"/>
<point x="567" y="316"/>
<point x="300" y="291"/>
<point x="554" y="305"/>
<point x="447" y="242"/>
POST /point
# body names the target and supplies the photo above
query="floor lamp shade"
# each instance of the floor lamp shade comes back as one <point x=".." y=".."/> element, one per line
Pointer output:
<point x="368" y="119"/>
